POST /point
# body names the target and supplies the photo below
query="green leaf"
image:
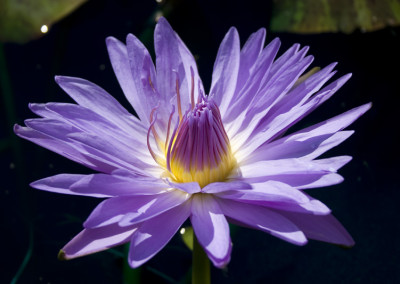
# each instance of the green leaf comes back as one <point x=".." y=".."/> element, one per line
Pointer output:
<point x="310" y="16"/>
<point x="22" y="20"/>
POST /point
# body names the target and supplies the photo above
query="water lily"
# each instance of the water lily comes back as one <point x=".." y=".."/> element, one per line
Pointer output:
<point x="212" y="158"/>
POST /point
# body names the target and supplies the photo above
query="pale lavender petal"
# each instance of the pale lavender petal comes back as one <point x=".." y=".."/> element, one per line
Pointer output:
<point x="112" y="210"/>
<point x="175" y="61"/>
<point x="130" y="210"/>
<point x="85" y="120"/>
<point x="263" y="219"/>
<point x="297" y="146"/>
<point x="211" y="229"/>
<point x="96" y="99"/>
<point x="115" y="185"/>
<point x="313" y="207"/>
<point x="225" y="70"/>
<point x="248" y="57"/>
<point x="161" y="204"/>
<point x="219" y="187"/>
<point x="262" y="170"/>
<point x="94" y="240"/>
<point x="100" y="185"/>
<point x="144" y="77"/>
<point x="188" y="187"/>
<point x="62" y="184"/>
<point x="309" y="180"/>
<point x="254" y="125"/>
<point x="259" y="71"/>
<point x="63" y="147"/>
<point x="318" y="181"/>
<point x="332" y="125"/>
<point x="279" y="85"/>
<point x="118" y="54"/>
<point x="322" y="228"/>
<point x="278" y="195"/>
<point x="286" y="57"/>
<point x="155" y="233"/>
<point x="263" y="193"/>
<point x="105" y="150"/>
<point x="303" y="91"/>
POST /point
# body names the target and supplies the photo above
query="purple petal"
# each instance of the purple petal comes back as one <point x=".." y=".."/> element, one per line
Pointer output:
<point x="262" y="170"/>
<point x="211" y="229"/>
<point x="130" y="210"/>
<point x="312" y="207"/>
<point x="161" y="204"/>
<point x="120" y="62"/>
<point x="286" y="58"/>
<point x="133" y="145"/>
<point x="93" y="97"/>
<point x="263" y="193"/>
<point x="327" y="127"/>
<point x="155" y="233"/>
<point x="62" y="184"/>
<point x="255" y="122"/>
<point x="188" y="187"/>
<point x="332" y="125"/>
<point x="225" y="70"/>
<point x="263" y="219"/>
<point x="306" y="181"/>
<point x="174" y="61"/>
<point x="219" y="187"/>
<point x="100" y="185"/>
<point x="109" y="149"/>
<point x="248" y="57"/>
<point x="62" y="147"/>
<point x="316" y="181"/>
<point x="259" y="71"/>
<point x="305" y="146"/>
<point x="303" y="91"/>
<point x="321" y="228"/>
<point x="144" y="81"/>
<point x="94" y="240"/>
<point x="116" y="185"/>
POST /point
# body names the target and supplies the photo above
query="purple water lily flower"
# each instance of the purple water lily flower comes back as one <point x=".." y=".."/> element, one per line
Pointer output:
<point x="211" y="158"/>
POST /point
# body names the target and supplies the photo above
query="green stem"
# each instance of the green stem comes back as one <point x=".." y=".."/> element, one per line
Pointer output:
<point x="130" y="275"/>
<point x="200" y="265"/>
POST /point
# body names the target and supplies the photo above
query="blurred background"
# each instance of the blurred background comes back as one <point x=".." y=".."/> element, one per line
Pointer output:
<point x="41" y="39"/>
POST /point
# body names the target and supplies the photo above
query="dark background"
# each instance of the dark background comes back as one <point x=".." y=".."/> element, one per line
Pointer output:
<point x="35" y="224"/>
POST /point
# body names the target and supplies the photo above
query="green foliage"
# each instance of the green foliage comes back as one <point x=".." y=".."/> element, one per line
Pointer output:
<point x="310" y="16"/>
<point x="21" y="21"/>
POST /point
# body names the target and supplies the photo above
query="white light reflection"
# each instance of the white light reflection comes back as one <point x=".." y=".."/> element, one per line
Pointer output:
<point x="44" y="29"/>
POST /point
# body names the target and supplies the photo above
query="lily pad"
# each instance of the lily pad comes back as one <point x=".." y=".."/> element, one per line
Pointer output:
<point x="22" y="20"/>
<point x="310" y="16"/>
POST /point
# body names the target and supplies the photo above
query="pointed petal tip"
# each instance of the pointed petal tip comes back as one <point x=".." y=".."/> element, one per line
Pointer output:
<point x="16" y="127"/>
<point x="221" y="264"/>
<point x="110" y="39"/>
<point x="162" y="20"/>
<point x="65" y="79"/>
<point x="58" y="79"/>
<point x="32" y="105"/>
<point x="351" y="243"/>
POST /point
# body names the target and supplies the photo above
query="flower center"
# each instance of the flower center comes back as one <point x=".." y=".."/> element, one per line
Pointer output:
<point x="199" y="150"/>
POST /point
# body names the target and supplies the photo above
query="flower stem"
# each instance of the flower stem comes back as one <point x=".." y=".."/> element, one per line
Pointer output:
<point x="200" y="264"/>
